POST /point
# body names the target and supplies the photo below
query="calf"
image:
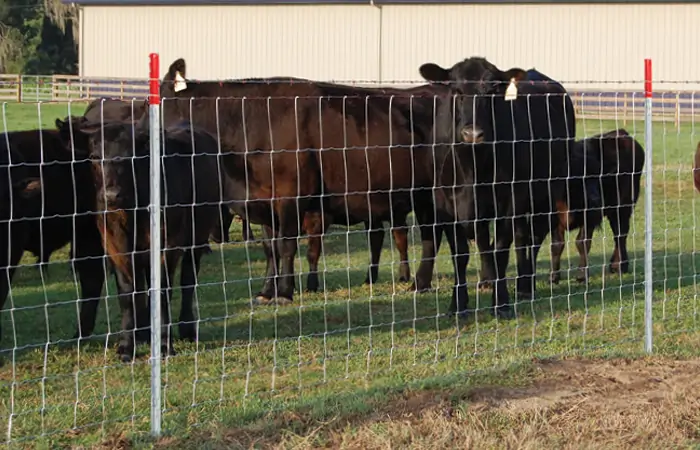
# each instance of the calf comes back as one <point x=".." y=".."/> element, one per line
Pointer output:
<point x="619" y="158"/>
<point x="111" y="110"/>
<point x="47" y="202"/>
<point x="120" y="157"/>
<point x="512" y="142"/>
<point x="294" y="146"/>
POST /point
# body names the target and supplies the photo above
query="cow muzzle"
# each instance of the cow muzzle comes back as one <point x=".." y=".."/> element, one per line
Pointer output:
<point x="113" y="196"/>
<point x="472" y="134"/>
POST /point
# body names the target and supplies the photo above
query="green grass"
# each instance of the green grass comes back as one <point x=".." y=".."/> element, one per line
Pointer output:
<point x="344" y="349"/>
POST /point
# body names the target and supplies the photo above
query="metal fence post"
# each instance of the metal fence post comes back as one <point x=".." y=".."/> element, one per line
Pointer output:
<point x="154" y="213"/>
<point x="648" y="205"/>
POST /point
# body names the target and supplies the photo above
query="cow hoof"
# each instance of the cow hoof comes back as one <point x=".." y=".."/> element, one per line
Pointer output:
<point x="462" y="315"/>
<point x="419" y="289"/>
<point x="188" y="331"/>
<point x="525" y="295"/>
<point x="620" y="269"/>
<point x="404" y="279"/>
<point x="555" y="278"/>
<point x="281" y="301"/>
<point x="483" y="286"/>
<point x="167" y="350"/>
<point x="125" y="354"/>
<point x="505" y="312"/>
<point x="261" y="300"/>
<point x="582" y="278"/>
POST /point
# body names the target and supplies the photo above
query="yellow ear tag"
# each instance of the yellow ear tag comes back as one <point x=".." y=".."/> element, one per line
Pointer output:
<point x="511" y="91"/>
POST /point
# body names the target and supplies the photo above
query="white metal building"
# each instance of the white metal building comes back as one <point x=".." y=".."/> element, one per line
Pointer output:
<point x="385" y="41"/>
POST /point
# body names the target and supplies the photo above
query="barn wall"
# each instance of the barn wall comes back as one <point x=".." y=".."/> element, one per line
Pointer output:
<point x="328" y="42"/>
<point x="576" y="43"/>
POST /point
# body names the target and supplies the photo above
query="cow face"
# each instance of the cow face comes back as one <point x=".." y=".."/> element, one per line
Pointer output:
<point x="480" y="92"/>
<point x="117" y="160"/>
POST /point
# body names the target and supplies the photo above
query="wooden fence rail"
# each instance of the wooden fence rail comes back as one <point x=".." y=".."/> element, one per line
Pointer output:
<point x="624" y="106"/>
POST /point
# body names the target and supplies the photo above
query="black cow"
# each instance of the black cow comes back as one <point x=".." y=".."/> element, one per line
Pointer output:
<point x="287" y="165"/>
<point x="47" y="202"/>
<point x="121" y="165"/>
<point x="616" y="160"/>
<point x="111" y="110"/>
<point x="511" y="157"/>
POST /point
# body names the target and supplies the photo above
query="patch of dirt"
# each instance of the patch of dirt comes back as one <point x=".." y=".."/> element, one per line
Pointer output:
<point x="612" y="384"/>
<point x="651" y="403"/>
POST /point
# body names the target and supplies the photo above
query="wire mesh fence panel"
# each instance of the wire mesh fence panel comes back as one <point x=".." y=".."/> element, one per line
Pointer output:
<point x="674" y="235"/>
<point x="60" y="380"/>
<point x="301" y="224"/>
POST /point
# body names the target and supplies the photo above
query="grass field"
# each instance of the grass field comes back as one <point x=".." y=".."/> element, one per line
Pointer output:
<point x="354" y="367"/>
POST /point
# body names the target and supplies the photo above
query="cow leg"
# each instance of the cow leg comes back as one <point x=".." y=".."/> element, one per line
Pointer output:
<point x="376" y="240"/>
<point x="502" y="306"/>
<point x="189" y="270"/>
<point x="523" y="240"/>
<point x="537" y="240"/>
<point x="132" y="304"/>
<point x="272" y="256"/>
<point x="220" y="233"/>
<point x="247" y="231"/>
<point x="7" y="270"/>
<point x="431" y="238"/>
<point x="557" y="248"/>
<point x="487" y="274"/>
<point x="459" y="247"/>
<point x="583" y="245"/>
<point x="619" y="220"/>
<point x="314" y="228"/>
<point x="171" y="260"/>
<point x="400" y="233"/>
<point x="313" y="254"/>
<point x="88" y="264"/>
<point x="287" y="248"/>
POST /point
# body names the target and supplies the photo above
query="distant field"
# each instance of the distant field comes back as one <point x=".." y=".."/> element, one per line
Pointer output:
<point x="358" y="367"/>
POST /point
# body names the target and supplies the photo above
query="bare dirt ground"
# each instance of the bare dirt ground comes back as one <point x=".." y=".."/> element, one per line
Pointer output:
<point x="570" y="404"/>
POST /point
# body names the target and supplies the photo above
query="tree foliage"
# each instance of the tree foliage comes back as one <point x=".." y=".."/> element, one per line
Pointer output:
<point x="38" y="37"/>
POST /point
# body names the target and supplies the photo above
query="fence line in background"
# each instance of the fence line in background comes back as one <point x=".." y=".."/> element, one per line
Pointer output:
<point x="667" y="105"/>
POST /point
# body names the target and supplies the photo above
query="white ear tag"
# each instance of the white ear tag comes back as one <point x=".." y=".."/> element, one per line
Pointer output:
<point x="180" y="84"/>
<point x="511" y="91"/>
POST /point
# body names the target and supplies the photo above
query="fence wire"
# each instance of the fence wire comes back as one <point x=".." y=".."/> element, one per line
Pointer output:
<point x="341" y="176"/>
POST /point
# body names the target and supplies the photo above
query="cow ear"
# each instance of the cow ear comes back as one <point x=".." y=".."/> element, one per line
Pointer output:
<point x="434" y="73"/>
<point x="78" y="139"/>
<point x="28" y="187"/>
<point x="178" y="66"/>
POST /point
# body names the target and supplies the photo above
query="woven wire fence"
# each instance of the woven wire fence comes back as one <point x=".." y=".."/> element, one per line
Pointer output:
<point x="299" y="227"/>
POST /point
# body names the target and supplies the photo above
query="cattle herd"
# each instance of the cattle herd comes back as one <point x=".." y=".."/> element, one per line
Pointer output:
<point x="474" y="150"/>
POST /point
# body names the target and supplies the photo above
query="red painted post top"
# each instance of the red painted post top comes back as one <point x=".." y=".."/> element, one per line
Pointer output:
<point x="647" y="78"/>
<point x="154" y="80"/>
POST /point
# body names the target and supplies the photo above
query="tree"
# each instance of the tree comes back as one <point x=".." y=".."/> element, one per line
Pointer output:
<point x="37" y="36"/>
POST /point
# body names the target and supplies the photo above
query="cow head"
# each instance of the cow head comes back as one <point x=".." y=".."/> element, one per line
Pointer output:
<point x="480" y="89"/>
<point x="117" y="160"/>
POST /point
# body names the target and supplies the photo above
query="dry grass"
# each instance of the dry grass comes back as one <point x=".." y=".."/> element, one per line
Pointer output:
<point x="613" y="404"/>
